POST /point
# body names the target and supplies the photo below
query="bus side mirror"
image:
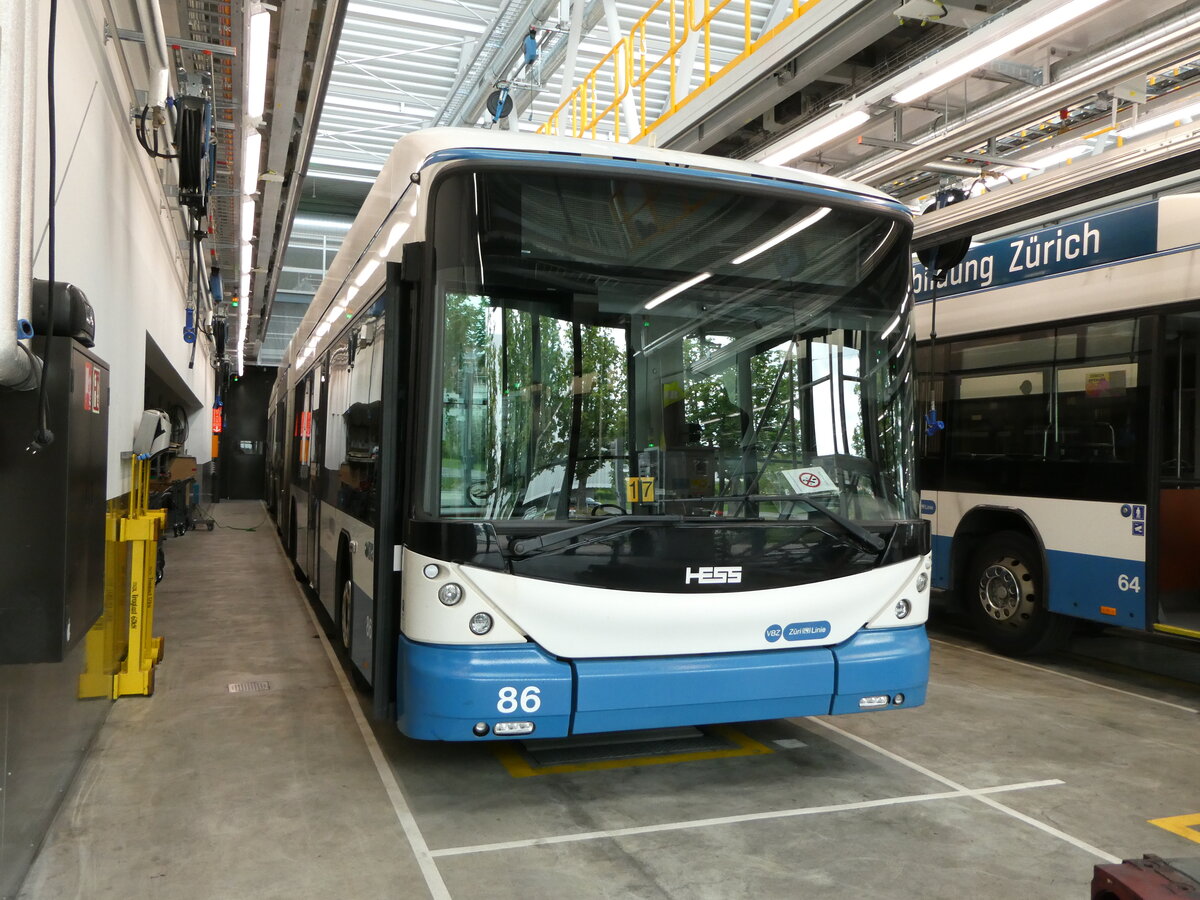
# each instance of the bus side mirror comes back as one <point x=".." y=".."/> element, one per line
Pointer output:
<point x="412" y="261"/>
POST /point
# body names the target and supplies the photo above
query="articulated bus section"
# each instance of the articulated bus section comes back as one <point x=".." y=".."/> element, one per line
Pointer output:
<point x="1063" y="481"/>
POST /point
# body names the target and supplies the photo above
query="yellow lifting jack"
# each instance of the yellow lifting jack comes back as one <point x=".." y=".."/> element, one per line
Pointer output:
<point x="141" y="528"/>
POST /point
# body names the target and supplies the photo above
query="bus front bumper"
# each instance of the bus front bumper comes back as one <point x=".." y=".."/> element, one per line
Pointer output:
<point x="461" y="693"/>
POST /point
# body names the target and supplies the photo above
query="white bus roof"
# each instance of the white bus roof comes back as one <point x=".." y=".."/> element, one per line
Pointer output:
<point x="411" y="153"/>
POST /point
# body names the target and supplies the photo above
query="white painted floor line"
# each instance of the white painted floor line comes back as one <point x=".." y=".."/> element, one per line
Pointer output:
<point x="1098" y="684"/>
<point x="976" y="794"/>
<point x="733" y="820"/>
<point x="416" y="840"/>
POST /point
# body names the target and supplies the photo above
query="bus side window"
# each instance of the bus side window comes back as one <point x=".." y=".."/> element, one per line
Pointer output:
<point x="1000" y="415"/>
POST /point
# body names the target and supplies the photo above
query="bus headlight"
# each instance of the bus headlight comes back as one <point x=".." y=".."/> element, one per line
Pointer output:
<point x="431" y="571"/>
<point x="903" y="608"/>
<point x="450" y="593"/>
<point x="481" y="623"/>
<point x="922" y="582"/>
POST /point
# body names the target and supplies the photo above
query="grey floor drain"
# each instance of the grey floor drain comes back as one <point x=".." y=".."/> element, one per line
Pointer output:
<point x="249" y="687"/>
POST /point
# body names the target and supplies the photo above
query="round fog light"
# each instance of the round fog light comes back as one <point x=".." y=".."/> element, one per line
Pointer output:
<point x="898" y="699"/>
<point x="903" y="608"/>
<point x="480" y="729"/>
<point x="922" y="582"/>
<point x="481" y="623"/>
<point x="450" y="593"/>
<point x="431" y="571"/>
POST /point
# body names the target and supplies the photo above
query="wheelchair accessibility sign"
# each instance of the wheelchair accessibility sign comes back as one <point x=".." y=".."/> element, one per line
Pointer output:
<point x="1136" y="512"/>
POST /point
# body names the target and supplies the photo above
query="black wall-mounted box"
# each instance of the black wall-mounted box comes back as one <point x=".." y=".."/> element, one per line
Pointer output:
<point x="73" y="316"/>
<point x="52" y="509"/>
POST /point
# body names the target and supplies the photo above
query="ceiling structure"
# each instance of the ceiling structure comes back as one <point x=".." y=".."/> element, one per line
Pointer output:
<point x="1055" y="110"/>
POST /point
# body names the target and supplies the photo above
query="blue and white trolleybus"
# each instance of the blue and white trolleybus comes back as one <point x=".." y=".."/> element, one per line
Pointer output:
<point x="1065" y="485"/>
<point x="580" y="437"/>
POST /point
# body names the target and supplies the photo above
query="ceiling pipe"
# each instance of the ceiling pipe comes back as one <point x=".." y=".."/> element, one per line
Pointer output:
<point x="150" y="16"/>
<point x="1172" y="43"/>
<point x="18" y="115"/>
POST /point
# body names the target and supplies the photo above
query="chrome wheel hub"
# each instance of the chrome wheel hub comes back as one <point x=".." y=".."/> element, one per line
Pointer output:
<point x="1000" y="592"/>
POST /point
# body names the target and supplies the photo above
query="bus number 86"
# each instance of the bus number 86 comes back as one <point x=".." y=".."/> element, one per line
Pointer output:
<point x="531" y="700"/>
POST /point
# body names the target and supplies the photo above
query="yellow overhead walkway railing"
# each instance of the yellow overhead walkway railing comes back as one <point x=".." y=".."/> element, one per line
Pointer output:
<point x="595" y="105"/>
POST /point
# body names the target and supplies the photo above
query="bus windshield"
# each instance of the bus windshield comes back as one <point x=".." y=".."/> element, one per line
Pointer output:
<point x="685" y="346"/>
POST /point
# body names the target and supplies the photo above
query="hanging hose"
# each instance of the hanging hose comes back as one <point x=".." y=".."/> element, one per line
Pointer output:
<point x="140" y="130"/>
<point x="43" y="437"/>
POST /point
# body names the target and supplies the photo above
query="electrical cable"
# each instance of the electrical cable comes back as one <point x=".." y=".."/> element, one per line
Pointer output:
<point x="140" y="131"/>
<point x="43" y="437"/>
<point x="207" y="515"/>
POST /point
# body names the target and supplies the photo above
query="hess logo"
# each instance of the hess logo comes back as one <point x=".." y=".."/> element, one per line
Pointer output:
<point x="714" y="575"/>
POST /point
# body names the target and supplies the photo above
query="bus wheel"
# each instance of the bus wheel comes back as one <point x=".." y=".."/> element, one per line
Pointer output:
<point x="346" y="611"/>
<point x="1004" y="589"/>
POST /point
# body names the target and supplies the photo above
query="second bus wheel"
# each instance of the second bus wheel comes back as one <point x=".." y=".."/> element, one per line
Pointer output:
<point x="1004" y="590"/>
<point x="346" y="611"/>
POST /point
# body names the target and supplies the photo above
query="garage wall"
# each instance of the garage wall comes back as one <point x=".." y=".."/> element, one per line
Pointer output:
<point x="116" y="242"/>
<point x="116" y="239"/>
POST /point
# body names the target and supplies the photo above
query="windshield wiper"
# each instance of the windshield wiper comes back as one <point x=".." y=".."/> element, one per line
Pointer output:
<point x="872" y="543"/>
<point x="532" y="545"/>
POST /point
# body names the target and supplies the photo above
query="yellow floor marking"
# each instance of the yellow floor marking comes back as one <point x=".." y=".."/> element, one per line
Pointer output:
<point x="1175" y="629"/>
<point x="519" y="767"/>
<point x="1184" y="826"/>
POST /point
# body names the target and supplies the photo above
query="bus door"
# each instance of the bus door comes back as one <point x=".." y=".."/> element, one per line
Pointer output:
<point x="313" y="480"/>
<point x="1178" y="531"/>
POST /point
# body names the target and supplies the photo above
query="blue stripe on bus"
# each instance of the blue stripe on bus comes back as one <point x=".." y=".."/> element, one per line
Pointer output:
<point x="1081" y="583"/>
<point x="443" y="691"/>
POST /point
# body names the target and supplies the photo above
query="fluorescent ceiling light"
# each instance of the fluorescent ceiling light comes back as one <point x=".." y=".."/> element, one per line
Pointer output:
<point x="811" y="219"/>
<point x="244" y="286"/>
<point x="1161" y="121"/>
<point x="367" y="272"/>
<point x="1062" y="154"/>
<point x="350" y="293"/>
<point x="340" y="176"/>
<point x="309" y="223"/>
<point x="394" y="107"/>
<point x="402" y="15"/>
<point x="256" y="63"/>
<point x="252" y="151"/>
<point x="334" y="315"/>
<point x="820" y="137"/>
<point x="993" y="49"/>
<point x="393" y="237"/>
<point x="247" y="219"/>
<point x="678" y="289"/>
<point x="344" y="163"/>
<point x="322" y="329"/>
<point x="247" y="250"/>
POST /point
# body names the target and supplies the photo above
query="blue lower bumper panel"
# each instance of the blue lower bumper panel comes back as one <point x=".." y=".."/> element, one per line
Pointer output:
<point x="450" y="692"/>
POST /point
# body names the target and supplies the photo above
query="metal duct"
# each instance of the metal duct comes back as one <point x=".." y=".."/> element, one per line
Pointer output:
<point x="1107" y="174"/>
<point x="1170" y="44"/>
<point x="18" y="120"/>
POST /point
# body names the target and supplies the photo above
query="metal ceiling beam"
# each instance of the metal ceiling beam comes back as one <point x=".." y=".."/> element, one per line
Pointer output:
<point x="295" y="19"/>
<point x="501" y="57"/>
<point x="812" y="45"/>
<point x="1114" y="171"/>
<point x="300" y="143"/>
<point x="1172" y="43"/>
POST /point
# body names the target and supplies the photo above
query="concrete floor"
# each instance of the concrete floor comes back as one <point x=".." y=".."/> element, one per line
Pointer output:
<point x="1013" y="780"/>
